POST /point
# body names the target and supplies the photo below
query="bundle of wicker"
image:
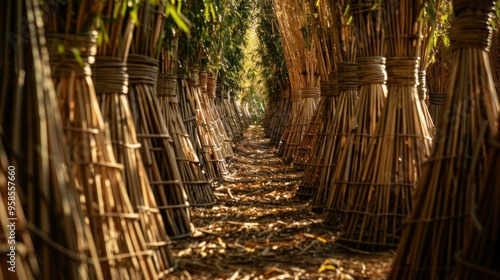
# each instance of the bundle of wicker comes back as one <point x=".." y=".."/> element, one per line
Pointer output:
<point x="208" y="102"/>
<point x="372" y="95"/>
<point x="115" y="226"/>
<point x="195" y="181"/>
<point x="449" y="187"/>
<point x="111" y="84"/>
<point x="209" y="139"/>
<point x="157" y="147"/>
<point x="438" y="74"/>
<point x="315" y="161"/>
<point x="479" y="257"/>
<point x="379" y="199"/>
<point x="289" y="15"/>
<point x="323" y="42"/>
<point x="214" y="89"/>
<point x="38" y="157"/>
<point x="338" y="128"/>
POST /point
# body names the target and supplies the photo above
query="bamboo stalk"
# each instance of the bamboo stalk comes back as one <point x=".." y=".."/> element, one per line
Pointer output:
<point x="450" y="185"/>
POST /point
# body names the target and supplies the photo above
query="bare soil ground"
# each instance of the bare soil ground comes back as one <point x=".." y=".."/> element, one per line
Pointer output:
<point x="259" y="230"/>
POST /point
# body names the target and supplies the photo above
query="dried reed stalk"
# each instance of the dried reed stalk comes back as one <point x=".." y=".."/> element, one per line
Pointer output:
<point x="198" y="189"/>
<point x="111" y="84"/>
<point x="438" y="74"/>
<point x="449" y="187"/>
<point x="280" y="114"/>
<point x="372" y="94"/>
<point x="157" y="145"/>
<point x="338" y="128"/>
<point x="381" y="195"/>
<point x="28" y="100"/>
<point x="478" y="258"/>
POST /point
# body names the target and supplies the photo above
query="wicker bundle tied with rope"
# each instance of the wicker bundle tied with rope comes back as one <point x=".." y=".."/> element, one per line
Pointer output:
<point x="199" y="190"/>
<point x="451" y="183"/>
<point x="152" y="132"/>
<point x="380" y="198"/>
<point x="110" y="77"/>
<point x="210" y="141"/>
<point x="323" y="43"/>
<point x="338" y="128"/>
<point x="208" y="102"/>
<point x="438" y="74"/>
<point x="115" y="225"/>
<point x="372" y="93"/>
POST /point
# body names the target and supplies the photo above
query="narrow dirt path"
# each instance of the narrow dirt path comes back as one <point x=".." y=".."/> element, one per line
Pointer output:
<point x="258" y="230"/>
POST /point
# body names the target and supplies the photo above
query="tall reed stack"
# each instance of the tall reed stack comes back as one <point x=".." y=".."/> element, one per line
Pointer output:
<point x="451" y="183"/>
<point x="152" y="131"/>
<point x="382" y="197"/>
<point x="111" y="82"/>
<point x="322" y="43"/>
<point x="39" y="157"/>
<point x="438" y="74"/>
<point x="338" y="128"/>
<point x="199" y="190"/>
<point x="428" y="34"/>
<point x="311" y="150"/>
<point x="290" y="15"/>
<point x="372" y="92"/>
<point x="208" y="103"/>
<point x="98" y="176"/>
<point x="210" y="140"/>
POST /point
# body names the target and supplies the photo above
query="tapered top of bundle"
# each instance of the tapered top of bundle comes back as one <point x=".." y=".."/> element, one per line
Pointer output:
<point x="370" y="33"/>
<point x="118" y="29"/>
<point x="72" y="17"/>
<point x="147" y="34"/>
<point x="343" y="32"/>
<point x="323" y="36"/>
<point x="403" y="27"/>
<point x="291" y="16"/>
